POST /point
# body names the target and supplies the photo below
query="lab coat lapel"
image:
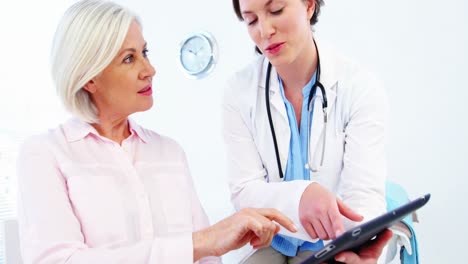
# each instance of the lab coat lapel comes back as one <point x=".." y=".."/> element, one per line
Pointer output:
<point x="329" y="80"/>
<point x="317" y="119"/>
<point x="276" y="100"/>
<point x="281" y="121"/>
<point x="278" y="113"/>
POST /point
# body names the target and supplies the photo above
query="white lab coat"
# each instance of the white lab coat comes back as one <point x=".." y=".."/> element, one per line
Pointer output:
<point x="355" y="164"/>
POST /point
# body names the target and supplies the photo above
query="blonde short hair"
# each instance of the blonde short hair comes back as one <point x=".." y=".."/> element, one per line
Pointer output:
<point x="87" y="39"/>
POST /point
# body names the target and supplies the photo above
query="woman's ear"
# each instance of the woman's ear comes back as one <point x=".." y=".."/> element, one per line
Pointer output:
<point x="90" y="87"/>
<point x="310" y="4"/>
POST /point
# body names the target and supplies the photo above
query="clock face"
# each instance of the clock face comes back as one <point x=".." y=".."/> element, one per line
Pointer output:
<point x="198" y="54"/>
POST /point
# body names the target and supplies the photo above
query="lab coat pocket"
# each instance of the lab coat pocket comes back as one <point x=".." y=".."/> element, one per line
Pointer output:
<point x="169" y="192"/>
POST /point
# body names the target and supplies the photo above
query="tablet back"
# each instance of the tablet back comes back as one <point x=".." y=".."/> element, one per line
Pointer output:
<point x="357" y="236"/>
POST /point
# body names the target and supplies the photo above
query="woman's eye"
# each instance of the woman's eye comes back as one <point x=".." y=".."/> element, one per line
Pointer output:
<point x="145" y="53"/>
<point x="128" y="59"/>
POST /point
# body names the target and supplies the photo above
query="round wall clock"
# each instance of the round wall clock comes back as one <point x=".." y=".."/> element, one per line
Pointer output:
<point x="198" y="54"/>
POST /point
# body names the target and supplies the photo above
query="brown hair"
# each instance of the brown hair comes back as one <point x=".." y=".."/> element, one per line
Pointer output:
<point x="313" y="20"/>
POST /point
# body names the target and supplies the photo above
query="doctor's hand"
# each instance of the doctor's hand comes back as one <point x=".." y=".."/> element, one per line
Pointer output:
<point x="320" y="213"/>
<point x="369" y="253"/>
<point x="250" y="225"/>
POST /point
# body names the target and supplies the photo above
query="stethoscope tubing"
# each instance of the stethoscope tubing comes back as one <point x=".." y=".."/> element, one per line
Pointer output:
<point x="312" y="96"/>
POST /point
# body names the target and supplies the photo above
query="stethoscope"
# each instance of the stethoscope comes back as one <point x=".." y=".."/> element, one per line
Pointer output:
<point x="312" y="97"/>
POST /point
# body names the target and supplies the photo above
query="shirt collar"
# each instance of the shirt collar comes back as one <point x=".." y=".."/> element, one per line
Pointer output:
<point x="76" y="129"/>
<point x="305" y="90"/>
<point x="138" y="131"/>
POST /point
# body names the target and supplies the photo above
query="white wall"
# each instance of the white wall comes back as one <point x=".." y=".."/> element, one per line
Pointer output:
<point x="27" y="99"/>
<point x="418" y="48"/>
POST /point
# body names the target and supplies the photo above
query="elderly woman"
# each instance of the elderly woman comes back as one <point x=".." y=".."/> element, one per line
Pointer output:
<point x="102" y="189"/>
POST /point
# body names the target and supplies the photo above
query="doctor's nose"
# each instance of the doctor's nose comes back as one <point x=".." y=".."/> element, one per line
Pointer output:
<point x="266" y="29"/>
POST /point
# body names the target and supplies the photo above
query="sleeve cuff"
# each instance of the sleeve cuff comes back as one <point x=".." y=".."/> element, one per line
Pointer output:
<point x="296" y="195"/>
<point x="174" y="248"/>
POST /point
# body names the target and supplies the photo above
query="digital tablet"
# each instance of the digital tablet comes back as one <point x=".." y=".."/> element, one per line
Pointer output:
<point x="357" y="236"/>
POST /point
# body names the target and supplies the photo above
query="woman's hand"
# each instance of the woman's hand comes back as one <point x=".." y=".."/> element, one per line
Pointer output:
<point x="320" y="213"/>
<point x="369" y="253"/>
<point x="254" y="226"/>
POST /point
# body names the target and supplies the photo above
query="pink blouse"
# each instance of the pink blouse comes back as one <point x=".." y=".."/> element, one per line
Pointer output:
<point x="86" y="199"/>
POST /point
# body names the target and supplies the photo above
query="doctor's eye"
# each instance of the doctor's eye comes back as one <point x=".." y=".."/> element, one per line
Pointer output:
<point x="277" y="12"/>
<point x="251" y="22"/>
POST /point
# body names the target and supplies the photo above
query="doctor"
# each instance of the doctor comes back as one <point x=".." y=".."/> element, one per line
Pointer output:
<point x="305" y="133"/>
